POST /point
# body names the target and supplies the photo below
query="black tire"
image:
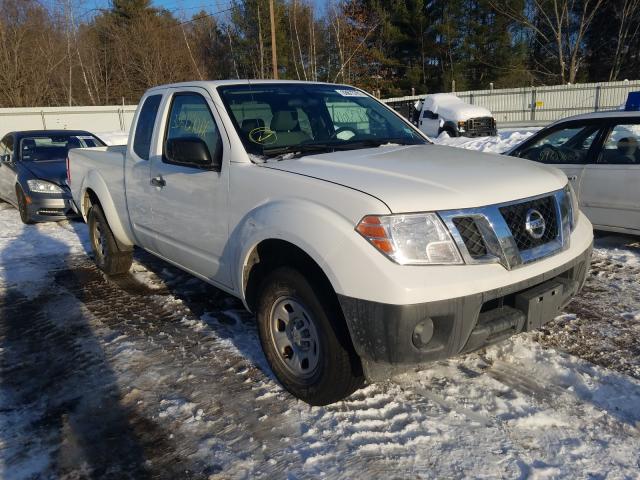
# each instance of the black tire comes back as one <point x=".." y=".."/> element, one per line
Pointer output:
<point x="451" y="132"/>
<point x="109" y="257"/>
<point x="22" y="206"/>
<point x="338" y="371"/>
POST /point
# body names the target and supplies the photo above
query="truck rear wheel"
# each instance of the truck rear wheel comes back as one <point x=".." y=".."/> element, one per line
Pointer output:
<point x="305" y="339"/>
<point x="108" y="256"/>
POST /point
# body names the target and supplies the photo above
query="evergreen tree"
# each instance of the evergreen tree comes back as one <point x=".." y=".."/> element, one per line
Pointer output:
<point x="130" y="9"/>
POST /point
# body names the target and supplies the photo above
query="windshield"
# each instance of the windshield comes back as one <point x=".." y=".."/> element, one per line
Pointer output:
<point x="273" y="119"/>
<point x="54" y="147"/>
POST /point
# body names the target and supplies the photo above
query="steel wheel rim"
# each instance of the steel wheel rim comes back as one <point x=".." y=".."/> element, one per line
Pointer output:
<point x="99" y="242"/>
<point x="294" y="336"/>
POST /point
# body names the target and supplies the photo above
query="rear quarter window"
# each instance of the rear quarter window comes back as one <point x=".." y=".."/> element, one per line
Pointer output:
<point x="144" y="126"/>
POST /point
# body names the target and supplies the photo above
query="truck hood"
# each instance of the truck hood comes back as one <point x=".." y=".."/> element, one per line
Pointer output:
<point x="462" y="111"/>
<point x="429" y="177"/>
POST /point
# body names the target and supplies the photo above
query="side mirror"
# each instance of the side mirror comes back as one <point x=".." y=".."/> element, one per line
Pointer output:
<point x="192" y="152"/>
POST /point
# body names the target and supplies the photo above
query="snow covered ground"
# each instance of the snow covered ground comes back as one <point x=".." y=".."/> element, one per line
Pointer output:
<point x="506" y="139"/>
<point x="159" y="375"/>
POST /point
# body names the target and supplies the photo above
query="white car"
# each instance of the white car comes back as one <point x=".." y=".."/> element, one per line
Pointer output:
<point x="600" y="153"/>
<point x="445" y="112"/>
<point x="362" y="248"/>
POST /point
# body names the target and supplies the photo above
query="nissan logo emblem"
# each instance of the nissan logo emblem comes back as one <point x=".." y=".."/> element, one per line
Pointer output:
<point x="535" y="224"/>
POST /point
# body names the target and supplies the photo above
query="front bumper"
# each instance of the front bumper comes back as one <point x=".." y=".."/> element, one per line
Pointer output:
<point x="45" y="207"/>
<point x="389" y="338"/>
<point x="479" y="132"/>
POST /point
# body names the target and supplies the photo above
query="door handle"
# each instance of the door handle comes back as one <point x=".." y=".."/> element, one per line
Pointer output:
<point x="573" y="178"/>
<point x="158" y="182"/>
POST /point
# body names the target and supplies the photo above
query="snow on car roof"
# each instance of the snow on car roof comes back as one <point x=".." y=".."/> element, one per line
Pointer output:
<point x="445" y="98"/>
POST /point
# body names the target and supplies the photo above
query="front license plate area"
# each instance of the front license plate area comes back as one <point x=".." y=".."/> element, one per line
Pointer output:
<point x="542" y="303"/>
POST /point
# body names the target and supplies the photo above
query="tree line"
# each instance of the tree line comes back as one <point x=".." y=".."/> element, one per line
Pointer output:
<point x="65" y="55"/>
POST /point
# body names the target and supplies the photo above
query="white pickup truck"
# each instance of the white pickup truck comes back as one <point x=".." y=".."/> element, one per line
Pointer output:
<point x="362" y="248"/>
<point x="445" y="112"/>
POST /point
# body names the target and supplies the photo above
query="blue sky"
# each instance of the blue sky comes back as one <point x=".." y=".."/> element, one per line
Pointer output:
<point x="180" y="7"/>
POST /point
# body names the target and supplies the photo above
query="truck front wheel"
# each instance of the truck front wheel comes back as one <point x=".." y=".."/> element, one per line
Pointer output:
<point x="108" y="256"/>
<point x="305" y="339"/>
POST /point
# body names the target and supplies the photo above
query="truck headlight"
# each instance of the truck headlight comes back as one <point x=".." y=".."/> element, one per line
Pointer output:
<point x="40" y="186"/>
<point x="575" y="205"/>
<point x="411" y="239"/>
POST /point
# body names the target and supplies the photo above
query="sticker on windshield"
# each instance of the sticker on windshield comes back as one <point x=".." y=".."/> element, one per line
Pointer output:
<point x="263" y="136"/>
<point x="351" y="93"/>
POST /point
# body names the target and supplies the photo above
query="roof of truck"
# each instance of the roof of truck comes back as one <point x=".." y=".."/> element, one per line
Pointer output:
<point x="219" y="83"/>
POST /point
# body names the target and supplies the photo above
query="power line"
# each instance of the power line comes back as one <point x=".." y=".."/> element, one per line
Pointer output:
<point x="205" y="16"/>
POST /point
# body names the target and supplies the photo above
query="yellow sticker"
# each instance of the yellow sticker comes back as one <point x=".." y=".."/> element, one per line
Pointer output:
<point x="263" y="136"/>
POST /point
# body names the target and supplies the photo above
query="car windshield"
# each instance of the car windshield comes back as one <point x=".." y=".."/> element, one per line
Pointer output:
<point x="53" y="147"/>
<point x="275" y="119"/>
<point x="563" y="145"/>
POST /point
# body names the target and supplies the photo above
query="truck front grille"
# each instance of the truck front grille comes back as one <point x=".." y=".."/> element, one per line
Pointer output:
<point x="471" y="236"/>
<point x="516" y="218"/>
<point x="481" y="126"/>
<point x="514" y="233"/>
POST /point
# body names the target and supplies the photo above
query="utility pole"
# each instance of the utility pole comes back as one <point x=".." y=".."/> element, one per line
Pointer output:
<point x="67" y="13"/>
<point x="274" y="53"/>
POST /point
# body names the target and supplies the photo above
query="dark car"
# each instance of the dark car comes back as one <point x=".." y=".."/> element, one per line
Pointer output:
<point x="33" y="173"/>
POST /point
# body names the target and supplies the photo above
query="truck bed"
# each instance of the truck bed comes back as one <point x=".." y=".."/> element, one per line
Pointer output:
<point x="104" y="163"/>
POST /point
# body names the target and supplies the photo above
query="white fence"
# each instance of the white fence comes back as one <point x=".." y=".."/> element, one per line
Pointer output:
<point x="540" y="104"/>
<point x="93" y="119"/>
<point x="530" y="105"/>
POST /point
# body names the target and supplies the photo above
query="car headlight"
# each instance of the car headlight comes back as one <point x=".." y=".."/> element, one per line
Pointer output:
<point x="40" y="186"/>
<point x="575" y="206"/>
<point x="411" y="239"/>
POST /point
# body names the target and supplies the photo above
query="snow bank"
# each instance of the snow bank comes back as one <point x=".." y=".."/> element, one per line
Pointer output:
<point x="505" y="140"/>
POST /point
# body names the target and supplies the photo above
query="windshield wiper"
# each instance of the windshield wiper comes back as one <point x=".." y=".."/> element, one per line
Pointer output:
<point x="298" y="149"/>
<point x="306" y="148"/>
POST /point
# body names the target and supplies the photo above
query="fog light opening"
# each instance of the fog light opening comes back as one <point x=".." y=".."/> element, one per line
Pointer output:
<point x="422" y="333"/>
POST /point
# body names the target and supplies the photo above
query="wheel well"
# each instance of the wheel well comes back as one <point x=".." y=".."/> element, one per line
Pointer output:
<point x="271" y="254"/>
<point x="90" y="198"/>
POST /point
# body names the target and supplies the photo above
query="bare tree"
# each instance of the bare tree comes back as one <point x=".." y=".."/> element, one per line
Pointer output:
<point x="562" y="23"/>
<point x="628" y="30"/>
<point x="260" y="41"/>
<point x="32" y="55"/>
